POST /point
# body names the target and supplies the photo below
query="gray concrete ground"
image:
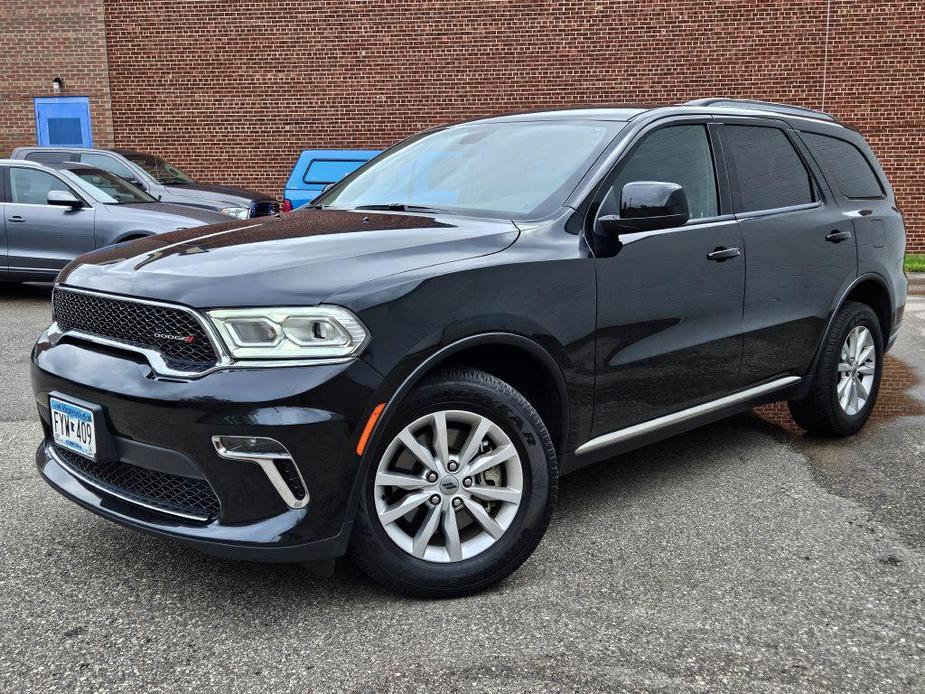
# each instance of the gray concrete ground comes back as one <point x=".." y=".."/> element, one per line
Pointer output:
<point x="737" y="558"/>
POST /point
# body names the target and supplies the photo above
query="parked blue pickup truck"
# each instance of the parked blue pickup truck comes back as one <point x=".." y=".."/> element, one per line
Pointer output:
<point x="318" y="168"/>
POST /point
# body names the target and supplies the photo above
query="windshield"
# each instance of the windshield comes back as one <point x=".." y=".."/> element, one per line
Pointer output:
<point x="511" y="170"/>
<point x="107" y="188"/>
<point x="161" y="171"/>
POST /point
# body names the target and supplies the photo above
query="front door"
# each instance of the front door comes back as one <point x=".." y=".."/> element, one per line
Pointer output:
<point x="801" y="253"/>
<point x="63" y="120"/>
<point x="669" y="318"/>
<point x="43" y="238"/>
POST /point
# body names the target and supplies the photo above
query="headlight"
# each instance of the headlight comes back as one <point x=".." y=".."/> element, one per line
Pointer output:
<point x="239" y="212"/>
<point x="315" y="332"/>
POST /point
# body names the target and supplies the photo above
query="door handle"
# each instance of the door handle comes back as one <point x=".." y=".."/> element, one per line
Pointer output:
<point x="838" y="236"/>
<point x="721" y="254"/>
<point x="16" y="219"/>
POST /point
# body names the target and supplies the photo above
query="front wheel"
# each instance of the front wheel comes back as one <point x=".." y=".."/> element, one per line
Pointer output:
<point x="461" y="490"/>
<point x="847" y="377"/>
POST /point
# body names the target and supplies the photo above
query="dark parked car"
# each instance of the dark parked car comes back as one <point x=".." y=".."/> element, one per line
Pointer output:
<point x="160" y="178"/>
<point x="404" y="369"/>
<point x="51" y="214"/>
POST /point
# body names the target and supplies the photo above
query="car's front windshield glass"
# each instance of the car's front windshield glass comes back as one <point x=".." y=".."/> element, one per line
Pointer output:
<point x="107" y="188"/>
<point x="161" y="171"/>
<point x="518" y="169"/>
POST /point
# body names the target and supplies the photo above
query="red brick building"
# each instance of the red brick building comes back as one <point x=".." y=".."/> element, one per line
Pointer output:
<point x="233" y="90"/>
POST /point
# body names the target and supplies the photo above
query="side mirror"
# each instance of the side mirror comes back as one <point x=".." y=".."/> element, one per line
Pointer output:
<point x="64" y="198"/>
<point x="645" y="206"/>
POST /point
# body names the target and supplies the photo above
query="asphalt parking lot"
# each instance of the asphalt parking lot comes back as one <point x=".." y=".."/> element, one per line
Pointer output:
<point x="738" y="558"/>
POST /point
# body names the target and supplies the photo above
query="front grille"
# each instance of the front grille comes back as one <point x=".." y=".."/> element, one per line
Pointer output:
<point x="170" y="493"/>
<point x="264" y="208"/>
<point x="138" y="324"/>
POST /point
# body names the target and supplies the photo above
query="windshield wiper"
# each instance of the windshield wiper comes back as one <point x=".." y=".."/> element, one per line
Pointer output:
<point x="399" y="207"/>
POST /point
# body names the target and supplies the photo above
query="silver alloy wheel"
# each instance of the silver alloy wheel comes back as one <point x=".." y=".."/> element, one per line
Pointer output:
<point x="448" y="486"/>
<point x="856" y="370"/>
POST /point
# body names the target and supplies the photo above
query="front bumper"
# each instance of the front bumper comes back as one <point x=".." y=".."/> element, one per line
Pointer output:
<point x="315" y="411"/>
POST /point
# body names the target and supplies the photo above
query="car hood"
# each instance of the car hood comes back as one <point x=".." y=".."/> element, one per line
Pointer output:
<point x="293" y="259"/>
<point x="223" y="194"/>
<point x="162" y="216"/>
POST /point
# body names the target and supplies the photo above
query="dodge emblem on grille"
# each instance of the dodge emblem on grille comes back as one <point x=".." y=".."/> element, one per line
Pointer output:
<point x="188" y="339"/>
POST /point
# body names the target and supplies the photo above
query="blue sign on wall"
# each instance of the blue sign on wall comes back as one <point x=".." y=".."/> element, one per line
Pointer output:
<point x="63" y="120"/>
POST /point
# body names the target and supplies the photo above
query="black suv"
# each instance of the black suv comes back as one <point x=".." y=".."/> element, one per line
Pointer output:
<point x="404" y="370"/>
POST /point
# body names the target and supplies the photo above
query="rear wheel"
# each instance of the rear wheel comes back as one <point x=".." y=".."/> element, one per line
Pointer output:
<point x="461" y="490"/>
<point x="847" y="377"/>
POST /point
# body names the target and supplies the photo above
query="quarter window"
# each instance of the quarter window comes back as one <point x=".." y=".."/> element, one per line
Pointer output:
<point x="676" y="154"/>
<point x="845" y="166"/>
<point x="765" y="170"/>
<point x="31" y="187"/>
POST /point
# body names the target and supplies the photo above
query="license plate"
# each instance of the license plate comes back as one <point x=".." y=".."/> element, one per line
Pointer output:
<point x="73" y="427"/>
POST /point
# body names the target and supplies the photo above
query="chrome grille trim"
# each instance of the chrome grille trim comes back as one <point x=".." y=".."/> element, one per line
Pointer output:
<point x="155" y="358"/>
<point x="54" y="334"/>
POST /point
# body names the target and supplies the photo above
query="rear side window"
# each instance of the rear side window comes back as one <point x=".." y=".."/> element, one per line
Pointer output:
<point x="765" y="170"/>
<point x="845" y="166"/>
<point x="107" y="163"/>
<point x="676" y="154"/>
<point x="48" y="157"/>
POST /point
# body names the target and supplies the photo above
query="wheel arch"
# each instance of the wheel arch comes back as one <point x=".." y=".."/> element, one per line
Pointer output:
<point x="512" y="358"/>
<point x="870" y="289"/>
<point x="457" y="353"/>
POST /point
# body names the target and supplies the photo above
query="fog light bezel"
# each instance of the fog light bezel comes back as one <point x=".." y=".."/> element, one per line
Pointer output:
<point x="266" y="461"/>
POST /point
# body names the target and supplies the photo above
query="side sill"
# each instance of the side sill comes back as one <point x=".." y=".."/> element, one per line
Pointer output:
<point x="640" y="434"/>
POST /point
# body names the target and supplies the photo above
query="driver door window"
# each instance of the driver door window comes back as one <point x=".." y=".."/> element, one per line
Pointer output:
<point x="31" y="186"/>
<point x="677" y="154"/>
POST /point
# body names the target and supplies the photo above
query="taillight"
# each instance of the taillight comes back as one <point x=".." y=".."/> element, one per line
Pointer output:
<point x="287" y="205"/>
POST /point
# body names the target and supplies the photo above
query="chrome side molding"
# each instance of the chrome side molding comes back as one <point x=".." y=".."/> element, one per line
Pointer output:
<point x="684" y="415"/>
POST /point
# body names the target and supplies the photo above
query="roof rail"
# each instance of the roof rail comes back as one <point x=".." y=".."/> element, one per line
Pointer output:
<point x="763" y="106"/>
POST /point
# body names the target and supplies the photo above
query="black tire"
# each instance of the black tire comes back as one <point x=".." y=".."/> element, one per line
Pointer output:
<point x="483" y="394"/>
<point x="820" y="412"/>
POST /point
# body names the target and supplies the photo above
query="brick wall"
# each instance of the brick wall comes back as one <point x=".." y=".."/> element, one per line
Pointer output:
<point x="234" y="90"/>
<point x="40" y="40"/>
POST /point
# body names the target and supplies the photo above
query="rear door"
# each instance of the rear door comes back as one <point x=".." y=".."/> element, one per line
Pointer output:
<point x="43" y="238"/>
<point x="669" y="318"/>
<point x="799" y="245"/>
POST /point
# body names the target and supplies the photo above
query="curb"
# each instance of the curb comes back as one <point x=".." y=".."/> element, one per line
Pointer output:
<point x="917" y="283"/>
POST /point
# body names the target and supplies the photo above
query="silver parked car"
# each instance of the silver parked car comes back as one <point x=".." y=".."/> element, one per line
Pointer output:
<point x="160" y="178"/>
<point x="50" y="215"/>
